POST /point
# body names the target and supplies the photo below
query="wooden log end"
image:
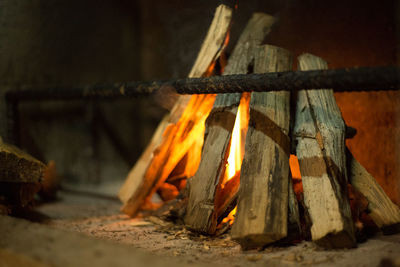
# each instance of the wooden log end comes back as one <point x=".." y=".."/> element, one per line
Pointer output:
<point x="131" y="207"/>
<point x="20" y="177"/>
<point x="18" y="166"/>
<point x="198" y="220"/>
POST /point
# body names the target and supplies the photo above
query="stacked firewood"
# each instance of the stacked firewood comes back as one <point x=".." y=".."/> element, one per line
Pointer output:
<point x="20" y="178"/>
<point x="267" y="207"/>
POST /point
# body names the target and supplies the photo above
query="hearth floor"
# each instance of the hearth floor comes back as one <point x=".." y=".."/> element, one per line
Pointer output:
<point x="99" y="217"/>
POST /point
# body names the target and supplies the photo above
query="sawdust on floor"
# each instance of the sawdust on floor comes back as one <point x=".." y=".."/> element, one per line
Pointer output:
<point x="100" y="218"/>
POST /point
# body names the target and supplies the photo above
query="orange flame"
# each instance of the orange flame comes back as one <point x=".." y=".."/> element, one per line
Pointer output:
<point x="236" y="151"/>
<point x="294" y="167"/>
<point x="235" y="156"/>
<point x="230" y="218"/>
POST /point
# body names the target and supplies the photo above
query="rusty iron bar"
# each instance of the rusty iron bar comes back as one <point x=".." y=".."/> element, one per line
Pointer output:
<point x="340" y="80"/>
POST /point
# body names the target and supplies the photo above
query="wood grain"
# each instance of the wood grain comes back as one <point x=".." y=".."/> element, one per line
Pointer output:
<point x="320" y="133"/>
<point x="262" y="213"/>
<point x="174" y="135"/>
<point x="201" y="212"/>
<point x="381" y="209"/>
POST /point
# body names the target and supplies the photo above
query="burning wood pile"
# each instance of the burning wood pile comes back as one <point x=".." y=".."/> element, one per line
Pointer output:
<point x="226" y="157"/>
<point x="226" y="162"/>
<point x="223" y="160"/>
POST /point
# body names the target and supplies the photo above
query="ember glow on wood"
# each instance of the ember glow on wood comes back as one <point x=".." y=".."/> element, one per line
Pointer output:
<point x="381" y="209"/>
<point x="205" y="138"/>
<point x="179" y="131"/>
<point x="320" y="135"/>
<point x="202" y="214"/>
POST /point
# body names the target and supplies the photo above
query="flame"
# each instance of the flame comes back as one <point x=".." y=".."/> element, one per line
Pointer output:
<point x="226" y="41"/>
<point x="230" y="182"/>
<point x="236" y="151"/>
<point x="210" y="70"/>
<point x="294" y="167"/>
<point x="230" y="218"/>
<point x="296" y="176"/>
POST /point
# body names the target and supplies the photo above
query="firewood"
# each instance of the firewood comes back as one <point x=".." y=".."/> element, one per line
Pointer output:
<point x="16" y="166"/>
<point x="262" y="213"/>
<point x="176" y="134"/>
<point x="167" y="192"/>
<point x="20" y="176"/>
<point x="201" y="211"/>
<point x="381" y="209"/>
<point x="320" y="133"/>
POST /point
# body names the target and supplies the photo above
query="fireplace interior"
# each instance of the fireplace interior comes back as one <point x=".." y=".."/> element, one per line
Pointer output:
<point x="80" y="208"/>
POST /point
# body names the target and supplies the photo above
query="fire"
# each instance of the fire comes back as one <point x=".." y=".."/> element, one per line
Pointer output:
<point x="236" y="154"/>
<point x="294" y="167"/>
<point x="230" y="218"/>
<point x="236" y="151"/>
<point x="230" y="182"/>
<point x="296" y="175"/>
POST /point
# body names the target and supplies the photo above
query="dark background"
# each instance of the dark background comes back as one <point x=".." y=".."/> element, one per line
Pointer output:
<point x="48" y="43"/>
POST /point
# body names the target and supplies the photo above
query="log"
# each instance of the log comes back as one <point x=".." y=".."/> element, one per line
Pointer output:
<point x="294" y="229"/>
<point x="262" y="213"/>
<point x="203" y="187"/>
<point x="20" y="176"/>
<point x="175" y="134"/>
<point x="381" y="209"/>
<point x="320" y="134"/>
<point x="16" y="166"/>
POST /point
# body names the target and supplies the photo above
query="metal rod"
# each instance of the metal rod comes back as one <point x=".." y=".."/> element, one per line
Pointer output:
<point x="341" y="80"/>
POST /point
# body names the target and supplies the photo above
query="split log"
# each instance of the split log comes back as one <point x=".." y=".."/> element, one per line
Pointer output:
<point x="20" y="176"/>
<point x="175" y="134"/>
<point x="382" y="210"/>
<point x="16" y="166"/>
<point x="262" y="213"/>
<point x="201" y="211"/>
<point x="320" y="134"/>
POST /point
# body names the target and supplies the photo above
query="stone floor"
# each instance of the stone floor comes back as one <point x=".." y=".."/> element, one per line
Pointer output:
<point x="98" y="217"/>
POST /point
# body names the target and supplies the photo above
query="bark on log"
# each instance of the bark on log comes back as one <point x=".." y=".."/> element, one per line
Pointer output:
<point x="381" y="209"/>
<point x="160" y="156"/>
<point x="320" y="134"/>
<point x="16" y="166"/>
<point x="20" y="176"/>
<point x="201" y="212"/>
<point x="262" y="211"/>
